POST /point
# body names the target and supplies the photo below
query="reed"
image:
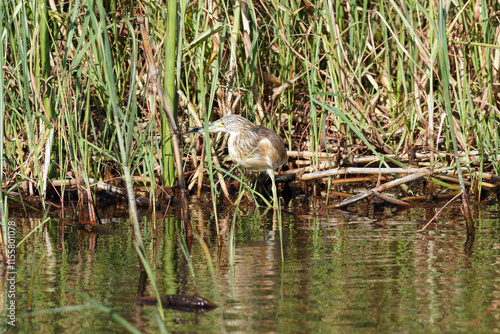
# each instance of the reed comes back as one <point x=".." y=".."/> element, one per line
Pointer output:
<point x="170" y="57"/>
<point x="328" y="76"/>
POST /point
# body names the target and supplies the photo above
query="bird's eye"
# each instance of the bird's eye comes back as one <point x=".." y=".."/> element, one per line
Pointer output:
<point x="223" y="123"/>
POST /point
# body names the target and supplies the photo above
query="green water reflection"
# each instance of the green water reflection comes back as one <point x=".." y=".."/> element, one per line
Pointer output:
<point x="341" y="272"/>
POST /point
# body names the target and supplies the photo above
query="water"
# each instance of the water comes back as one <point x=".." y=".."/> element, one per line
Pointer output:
<point x="340" y="272"/>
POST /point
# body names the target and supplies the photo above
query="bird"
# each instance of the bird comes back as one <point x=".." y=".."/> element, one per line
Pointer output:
<point x="251" y="146"/>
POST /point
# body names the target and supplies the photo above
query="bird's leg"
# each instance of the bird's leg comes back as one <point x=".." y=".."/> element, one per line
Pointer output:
<point x="275" y="191"/>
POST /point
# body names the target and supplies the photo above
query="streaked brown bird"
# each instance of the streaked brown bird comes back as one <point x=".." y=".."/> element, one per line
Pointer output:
<point x="251" y="146"/>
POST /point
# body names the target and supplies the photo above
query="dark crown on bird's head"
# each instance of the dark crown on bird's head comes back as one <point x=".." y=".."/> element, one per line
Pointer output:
<point x="234" y="122"/>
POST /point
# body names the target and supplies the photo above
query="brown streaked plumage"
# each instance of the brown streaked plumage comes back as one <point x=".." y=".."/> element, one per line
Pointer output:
<point x="252" y="146"/>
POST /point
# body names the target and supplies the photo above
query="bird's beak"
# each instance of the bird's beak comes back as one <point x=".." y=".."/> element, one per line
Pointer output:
<point x="195" y="130"/>
<point x="212" y="127"/>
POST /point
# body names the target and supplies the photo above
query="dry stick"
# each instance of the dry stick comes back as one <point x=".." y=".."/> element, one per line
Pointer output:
<point x="356" y="170"/>
<point x="153" y="77"/>
<point x="307" y="154"/>
<point x="362" y="179"/>
<point x="389" y="199"/>
<point x="380" y="188"/>
<point x="340" y="194"/>
<point x="464" y="157"/>
<point x="437" y="198"/>
<point x="490" y="176"/>
<point x="430" y="221"/>
<point x="102" y="186"/>
<point x="278" y="90"/>
<point x="450" y="179"/>
<point x="307" y="169"/>
<point x="368" y="159"/>
<point x="310" y="169"/>
<point x="467" y="183"/>
<point x="196" y="174"/>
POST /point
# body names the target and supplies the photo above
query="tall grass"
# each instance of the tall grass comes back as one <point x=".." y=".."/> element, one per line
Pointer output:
<point x="328" y="76"/>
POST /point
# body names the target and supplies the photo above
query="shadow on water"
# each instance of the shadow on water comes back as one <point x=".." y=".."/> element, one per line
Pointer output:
<point x="364" y="269"/>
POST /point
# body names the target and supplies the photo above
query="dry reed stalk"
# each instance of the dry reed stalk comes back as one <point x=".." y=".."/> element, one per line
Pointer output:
<point x="355" y="170"/>
<point x="380" y="188"/>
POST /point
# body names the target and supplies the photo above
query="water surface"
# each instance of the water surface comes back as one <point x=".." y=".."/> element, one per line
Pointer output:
<point x="361" y="270"/>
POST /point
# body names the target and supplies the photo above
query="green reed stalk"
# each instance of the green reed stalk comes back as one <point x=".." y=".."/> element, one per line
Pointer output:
<point x="445" y="77"/>
<point x="170" y="91"/>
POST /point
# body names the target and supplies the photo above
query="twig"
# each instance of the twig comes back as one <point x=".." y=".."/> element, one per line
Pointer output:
<point x="467" y="183"/>
<point x="355" y="170"/>
<point x="380" y="188"/>
<point x="464" y="156"/>
<point x="430" y="221"/>
<point x="389" y="199"/>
